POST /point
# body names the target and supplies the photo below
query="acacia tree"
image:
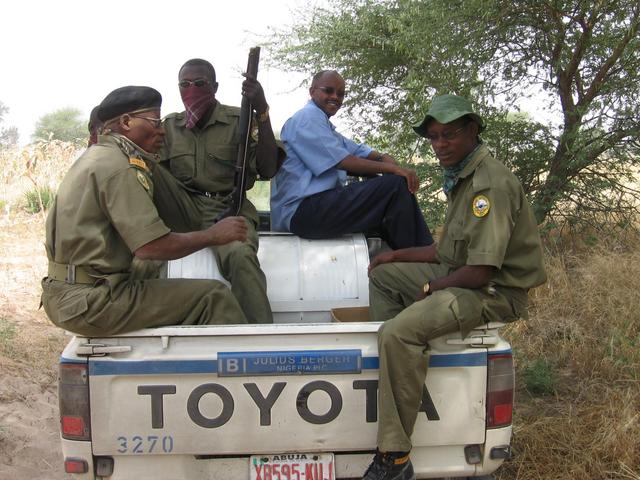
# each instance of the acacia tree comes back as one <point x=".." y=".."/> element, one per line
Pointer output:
<point x="63" y="124"/>
<point x="580" y="59"/>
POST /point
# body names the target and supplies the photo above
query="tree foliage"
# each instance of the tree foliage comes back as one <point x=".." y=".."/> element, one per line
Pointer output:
<point x="579" y="59"/>
<point x="63" y="124"/>
<point x="8" y="135"/>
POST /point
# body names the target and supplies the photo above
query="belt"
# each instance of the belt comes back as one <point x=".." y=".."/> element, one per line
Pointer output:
<point x="70" y="274"/>
<point x="214" y="194"/>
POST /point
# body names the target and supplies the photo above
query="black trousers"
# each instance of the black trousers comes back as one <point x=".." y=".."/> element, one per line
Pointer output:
<point x="380" y="205"/>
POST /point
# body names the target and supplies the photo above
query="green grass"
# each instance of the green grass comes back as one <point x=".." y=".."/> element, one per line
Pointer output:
<point x="538" y="377"/>
<point x="624" y="347"/>
<point x="38" y="198"/>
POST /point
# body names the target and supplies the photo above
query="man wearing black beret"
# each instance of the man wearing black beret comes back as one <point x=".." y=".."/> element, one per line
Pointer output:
<point x="104" y="216"/>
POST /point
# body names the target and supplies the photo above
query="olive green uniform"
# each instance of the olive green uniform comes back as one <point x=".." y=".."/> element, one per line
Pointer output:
<point x="103" y="212"/>
<point x="489" y="222"/>
<point x="204" y="162"/>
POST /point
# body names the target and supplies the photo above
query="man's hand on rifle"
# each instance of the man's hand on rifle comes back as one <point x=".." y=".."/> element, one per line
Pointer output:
<point x="252" y="89"/>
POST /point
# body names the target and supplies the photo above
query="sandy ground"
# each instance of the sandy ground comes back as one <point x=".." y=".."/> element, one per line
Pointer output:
<point x="29" y="351"/>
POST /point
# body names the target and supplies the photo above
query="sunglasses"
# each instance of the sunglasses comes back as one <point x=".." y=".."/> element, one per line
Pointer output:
<point x="331" y="91"/>
<point x="198" y="82"/>
<point x="446" y="136"/>
<point x="155" y="122"/>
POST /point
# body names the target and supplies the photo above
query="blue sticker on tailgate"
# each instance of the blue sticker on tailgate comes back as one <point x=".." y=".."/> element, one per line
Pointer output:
<point x="237" y="364"/>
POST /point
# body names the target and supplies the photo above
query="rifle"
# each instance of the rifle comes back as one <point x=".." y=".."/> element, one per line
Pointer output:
<point x="246" y="109"/>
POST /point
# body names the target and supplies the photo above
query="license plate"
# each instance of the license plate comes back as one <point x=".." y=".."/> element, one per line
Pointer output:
<point x="292" y="466"/>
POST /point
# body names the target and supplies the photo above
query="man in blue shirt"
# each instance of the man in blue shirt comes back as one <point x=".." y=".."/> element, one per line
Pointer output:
<point x="308" y="194"/>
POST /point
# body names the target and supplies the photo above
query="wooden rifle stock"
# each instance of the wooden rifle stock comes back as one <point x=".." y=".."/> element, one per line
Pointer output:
<point x="246" y="109"/>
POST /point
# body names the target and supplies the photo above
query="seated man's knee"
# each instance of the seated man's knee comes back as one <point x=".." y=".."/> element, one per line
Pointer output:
<point x="238" y="254"/>
<point x="392" y="182"/>
<point x="380" y="273"/>
<point x="391" y="332"/>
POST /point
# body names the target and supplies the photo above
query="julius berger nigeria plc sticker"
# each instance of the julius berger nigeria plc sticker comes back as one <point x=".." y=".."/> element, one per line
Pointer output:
<point x="481" y="206"/>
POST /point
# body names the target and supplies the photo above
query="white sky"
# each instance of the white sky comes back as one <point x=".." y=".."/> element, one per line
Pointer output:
<point x="72" y="53"/>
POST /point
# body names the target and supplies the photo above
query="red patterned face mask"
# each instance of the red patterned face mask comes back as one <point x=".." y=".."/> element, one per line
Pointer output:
<point x="197" y="101"/>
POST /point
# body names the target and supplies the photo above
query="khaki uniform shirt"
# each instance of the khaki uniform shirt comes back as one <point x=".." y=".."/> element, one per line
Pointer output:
<point x="204" y="159"/>
<point x="489" y="222"/>
<point x="103" y="210"/>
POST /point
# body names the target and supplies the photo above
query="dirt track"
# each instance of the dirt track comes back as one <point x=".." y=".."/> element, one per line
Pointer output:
<point x="29" y="351"/>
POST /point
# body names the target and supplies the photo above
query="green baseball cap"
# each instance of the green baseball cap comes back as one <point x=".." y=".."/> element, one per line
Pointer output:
<point x="446" y="109"/>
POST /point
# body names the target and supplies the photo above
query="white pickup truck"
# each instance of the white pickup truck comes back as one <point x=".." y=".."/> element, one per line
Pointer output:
<point x="296" y="400"/>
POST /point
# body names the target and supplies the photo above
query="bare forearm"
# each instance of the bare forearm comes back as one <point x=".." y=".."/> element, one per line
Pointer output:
<point x="414" y="254"/>
<point x="173" y="246"/>
<point x="178" y="245"/>
<point x="468" y="276"/>
<point x="364" y="166"/>
<point x="381" y="157"/>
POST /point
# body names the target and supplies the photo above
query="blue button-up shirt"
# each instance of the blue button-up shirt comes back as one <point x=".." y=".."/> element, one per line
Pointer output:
<point x="314" y="148"/>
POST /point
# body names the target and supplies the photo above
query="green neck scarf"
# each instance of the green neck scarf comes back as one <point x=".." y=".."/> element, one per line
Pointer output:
<point x="451" y="174"/>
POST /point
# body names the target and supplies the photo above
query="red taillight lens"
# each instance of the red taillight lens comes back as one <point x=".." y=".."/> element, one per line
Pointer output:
<point x="75" y="465"/>
<point x="73" y="395"/>
<point x="500" y="385"/>
<point x="72" y="425"/>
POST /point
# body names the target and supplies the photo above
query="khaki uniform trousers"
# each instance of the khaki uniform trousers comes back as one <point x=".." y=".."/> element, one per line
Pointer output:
<point x="409" y="325"/>
<point x="117" y="304"/>
<point x="184" y="211"/>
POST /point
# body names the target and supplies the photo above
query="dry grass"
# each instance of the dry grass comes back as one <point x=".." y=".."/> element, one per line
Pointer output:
<point x="586" y="324"/>
<point x="29" y="344"/>
<point x="36" y="166"/>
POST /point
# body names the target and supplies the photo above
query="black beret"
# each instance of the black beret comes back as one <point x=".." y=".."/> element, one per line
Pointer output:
<point x="128" y="100"/>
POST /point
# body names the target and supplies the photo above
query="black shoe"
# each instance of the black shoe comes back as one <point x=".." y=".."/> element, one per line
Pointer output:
<point x="390" y="466"/>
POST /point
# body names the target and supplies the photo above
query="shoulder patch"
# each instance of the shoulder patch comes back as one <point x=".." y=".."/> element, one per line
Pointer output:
<point x="480" y="206"/>
<point x="143" y="180"/>
<point x="138" y="162"/>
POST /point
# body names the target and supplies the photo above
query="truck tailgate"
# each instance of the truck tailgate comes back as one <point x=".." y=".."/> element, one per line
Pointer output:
<point x="241" y="390"/>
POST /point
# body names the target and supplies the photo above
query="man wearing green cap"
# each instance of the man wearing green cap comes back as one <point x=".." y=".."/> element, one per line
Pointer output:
<point x="104" y="216"/>
<point x="487" y="258"/>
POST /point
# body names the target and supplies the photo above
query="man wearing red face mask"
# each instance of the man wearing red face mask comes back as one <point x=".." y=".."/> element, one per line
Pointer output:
<point x="201" y="146"/>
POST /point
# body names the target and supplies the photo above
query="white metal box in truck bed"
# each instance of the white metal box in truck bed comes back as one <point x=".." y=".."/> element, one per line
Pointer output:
<point x="290" y="401"/>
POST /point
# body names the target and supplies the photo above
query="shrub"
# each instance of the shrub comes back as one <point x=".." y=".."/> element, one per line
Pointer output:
<point x="538" y="377"/>
<point x="39" y="199"/>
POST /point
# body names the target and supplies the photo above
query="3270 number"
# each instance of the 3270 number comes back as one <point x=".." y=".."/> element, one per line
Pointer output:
<point x="150" y="444"/>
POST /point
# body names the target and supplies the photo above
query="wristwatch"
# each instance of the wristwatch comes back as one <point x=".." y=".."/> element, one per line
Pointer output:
<point x="426" y="289"/>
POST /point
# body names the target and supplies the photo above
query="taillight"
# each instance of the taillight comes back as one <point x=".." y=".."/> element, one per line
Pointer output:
<point x="75" y="465"/>
<point x="73" y="395"/>
<point x="500" y="384"/>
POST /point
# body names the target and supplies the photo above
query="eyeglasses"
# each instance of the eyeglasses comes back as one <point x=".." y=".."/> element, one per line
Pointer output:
<point x="198" y="82"/>
<point x="331" y="91"/>
<point x="156" y="122"/>
<point x="446" y="136"/>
